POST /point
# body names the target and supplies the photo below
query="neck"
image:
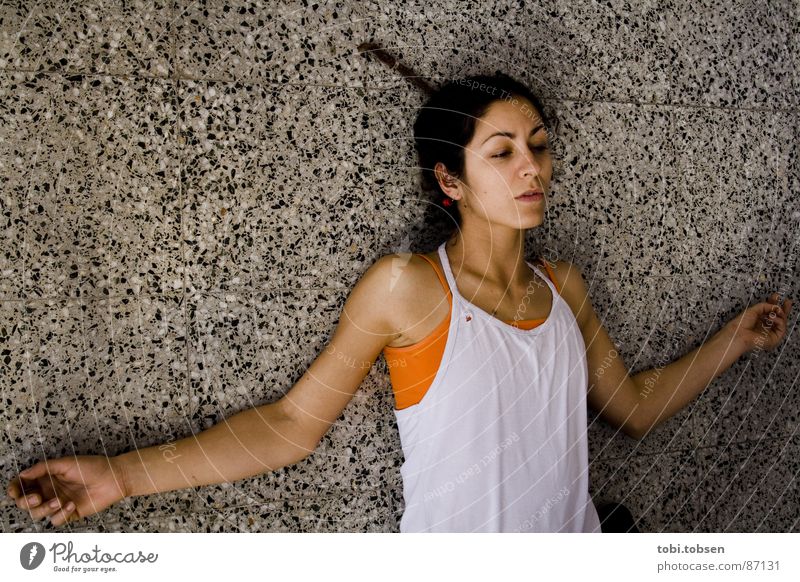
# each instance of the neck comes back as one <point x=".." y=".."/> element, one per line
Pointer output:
<point x="497" y="259"/>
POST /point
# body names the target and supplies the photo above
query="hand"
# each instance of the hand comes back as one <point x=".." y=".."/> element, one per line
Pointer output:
<point x="78" y="486"/>
<point x="762" y="325"/>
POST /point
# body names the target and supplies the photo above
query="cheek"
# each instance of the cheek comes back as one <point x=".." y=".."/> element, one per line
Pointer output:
<point x="485" y="177"/>
<point x="484" y="168"/>
<point x="495" y="185"/>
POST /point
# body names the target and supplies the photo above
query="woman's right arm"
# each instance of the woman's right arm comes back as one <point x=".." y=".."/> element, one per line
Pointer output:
<point x="264" y="438"/>
<point x="285" y="432"/>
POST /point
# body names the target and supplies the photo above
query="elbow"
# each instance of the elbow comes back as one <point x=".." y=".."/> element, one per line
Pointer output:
<point x="638" y="429"/>
<point x="304" y="453"/>
<point x="633" y="427"/>
<point x="300" y="451"/>
<point x="287" y="457"/>
<point x="634" y="432"/>
<point x="295" y="441"/>
<point x="306" y="445"/>
<point x="639" y="422"/>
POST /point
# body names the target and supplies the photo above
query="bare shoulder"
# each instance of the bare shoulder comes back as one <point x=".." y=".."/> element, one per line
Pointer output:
<point x="566" y="273"/>
<point x="395" y="275"/>
<point x="574" y="289"/>
<point x="387" y="288"/>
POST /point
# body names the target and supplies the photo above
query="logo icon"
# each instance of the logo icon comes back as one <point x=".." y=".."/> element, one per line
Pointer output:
<point x="31" y="555"/>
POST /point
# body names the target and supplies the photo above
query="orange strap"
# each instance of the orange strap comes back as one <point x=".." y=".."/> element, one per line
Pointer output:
<point x="413" y="368"/>
<point x="551" y="275"/>
<point x="442" y="280"/>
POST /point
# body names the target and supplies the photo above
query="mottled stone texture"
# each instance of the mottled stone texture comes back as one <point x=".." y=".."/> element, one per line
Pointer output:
<point x="191" y="188"/>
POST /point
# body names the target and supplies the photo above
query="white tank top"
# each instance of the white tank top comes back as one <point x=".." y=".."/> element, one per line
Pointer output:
<point x="498" y="443"/>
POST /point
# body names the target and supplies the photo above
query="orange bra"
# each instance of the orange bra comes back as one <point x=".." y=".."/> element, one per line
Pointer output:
<point x="413" y="368"/>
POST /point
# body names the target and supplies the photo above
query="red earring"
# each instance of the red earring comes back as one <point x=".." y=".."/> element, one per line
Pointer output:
<point x="447" y="201"/>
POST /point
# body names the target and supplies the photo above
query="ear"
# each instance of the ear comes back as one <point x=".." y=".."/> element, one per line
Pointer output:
<point x="449" y="184"/>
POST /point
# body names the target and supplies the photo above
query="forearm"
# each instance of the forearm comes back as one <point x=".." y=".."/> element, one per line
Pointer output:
<point x="666" y="390"/>
<point x="248" y="443"/>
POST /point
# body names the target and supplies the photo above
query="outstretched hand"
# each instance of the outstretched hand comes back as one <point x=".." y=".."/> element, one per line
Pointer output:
<point x="69" y="488"/>
<point x="762" y="325"/>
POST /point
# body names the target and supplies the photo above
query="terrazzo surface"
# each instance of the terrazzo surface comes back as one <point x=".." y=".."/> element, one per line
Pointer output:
<point x="191" y="189"/>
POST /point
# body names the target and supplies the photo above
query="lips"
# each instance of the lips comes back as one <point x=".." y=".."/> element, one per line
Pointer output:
<point x="530" y="193"/>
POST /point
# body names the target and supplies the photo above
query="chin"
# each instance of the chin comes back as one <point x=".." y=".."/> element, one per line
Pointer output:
<point x="534" y="225"/>
<point x="536" y="220"/>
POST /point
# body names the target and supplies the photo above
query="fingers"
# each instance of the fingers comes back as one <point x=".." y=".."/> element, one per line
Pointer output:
<point x="785" y="305"/>
<point x="26" y="496"/>
<point x="37" y="470"/>
<point x="49" y="508"/>
<point x="17" y="489"/>
<point x="14" y="489"/>
<point x="38" y="509"/>
<point x="29" y="502"/>
<point x="772" y="315"/>
<point x="25" y="490"/>
<point x="64" y="515"/>
<point x="770" y="308"/>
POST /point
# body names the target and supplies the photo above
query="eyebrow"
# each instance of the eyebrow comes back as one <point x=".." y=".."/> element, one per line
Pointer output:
<point x="511" y="134"/>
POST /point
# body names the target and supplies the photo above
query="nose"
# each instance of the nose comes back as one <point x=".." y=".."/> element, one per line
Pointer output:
<point x="529" y="168"/>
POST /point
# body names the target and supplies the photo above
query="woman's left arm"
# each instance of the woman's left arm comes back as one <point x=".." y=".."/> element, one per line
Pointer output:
<point x="666" y="390"/>
<point x="637" y="404"/>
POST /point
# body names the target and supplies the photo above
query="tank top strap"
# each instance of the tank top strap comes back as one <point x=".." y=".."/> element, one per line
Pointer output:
<point x="448" y="272"/>
<point x="546" y="278"/>
<point x="451" y="279"/>
<point x="442" y="280"/>
<point x="550" y="273"/>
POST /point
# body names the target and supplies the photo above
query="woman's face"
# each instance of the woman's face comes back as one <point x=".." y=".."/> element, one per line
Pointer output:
<point x="498" y="168"/>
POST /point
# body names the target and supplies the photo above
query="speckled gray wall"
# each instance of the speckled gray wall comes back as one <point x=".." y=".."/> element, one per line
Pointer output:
<point x="191" y="188"/>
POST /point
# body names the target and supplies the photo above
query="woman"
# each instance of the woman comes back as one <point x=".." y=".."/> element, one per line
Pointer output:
<point x="493" y="359"/>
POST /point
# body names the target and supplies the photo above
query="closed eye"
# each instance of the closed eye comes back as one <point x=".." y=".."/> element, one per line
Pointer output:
<point x="504" y="154"/>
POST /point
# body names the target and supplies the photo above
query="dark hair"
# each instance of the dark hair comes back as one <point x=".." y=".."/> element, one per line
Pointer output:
<point x="446" y="124"/>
